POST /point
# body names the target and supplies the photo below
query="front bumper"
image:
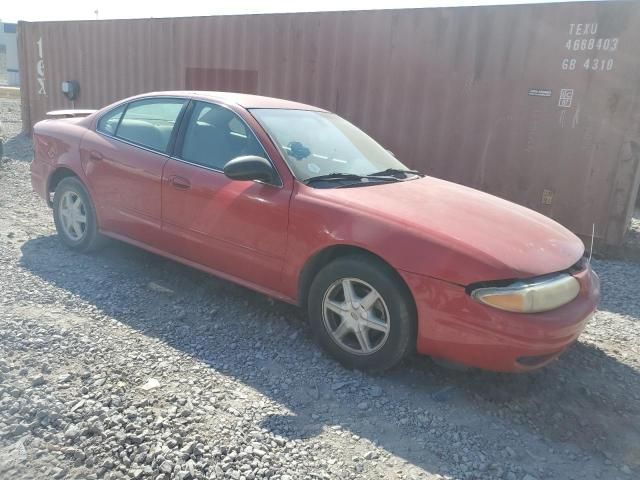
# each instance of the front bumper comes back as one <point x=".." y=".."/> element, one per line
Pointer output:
<point x="453" y="326"/>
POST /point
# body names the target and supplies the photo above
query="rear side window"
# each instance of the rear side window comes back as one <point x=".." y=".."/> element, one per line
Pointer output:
<point x="149" y="123"/>
<point x="109" y="121"/>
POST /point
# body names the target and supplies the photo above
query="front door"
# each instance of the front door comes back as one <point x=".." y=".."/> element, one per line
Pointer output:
<point x="237" y="228"/>
<point x="123" y="160"/>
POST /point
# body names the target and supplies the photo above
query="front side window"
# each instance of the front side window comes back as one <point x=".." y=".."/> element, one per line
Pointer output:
<point x="150" y="122"/>
<point x="315" y="144"/>
<point x="216" y="135"/>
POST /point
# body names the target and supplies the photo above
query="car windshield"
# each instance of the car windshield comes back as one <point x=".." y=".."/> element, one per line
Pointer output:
<point x="320" y="143"/>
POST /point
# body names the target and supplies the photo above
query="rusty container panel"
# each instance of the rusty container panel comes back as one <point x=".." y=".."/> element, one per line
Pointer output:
<point x="538" y="104"/>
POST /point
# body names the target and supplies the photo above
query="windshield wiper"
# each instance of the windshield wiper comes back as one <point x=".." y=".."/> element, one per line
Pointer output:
<point x="330" y="177"/>
<point x="395" y="171"/>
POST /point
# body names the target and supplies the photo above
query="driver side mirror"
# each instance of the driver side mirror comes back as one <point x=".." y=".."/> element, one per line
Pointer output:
<point x="251" y="167"/>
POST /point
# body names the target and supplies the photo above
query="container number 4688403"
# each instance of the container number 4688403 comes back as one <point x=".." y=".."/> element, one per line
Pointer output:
<point x="582" y="44"/>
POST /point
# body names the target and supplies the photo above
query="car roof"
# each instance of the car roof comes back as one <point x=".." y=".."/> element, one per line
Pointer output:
<point x="244" y="100"/>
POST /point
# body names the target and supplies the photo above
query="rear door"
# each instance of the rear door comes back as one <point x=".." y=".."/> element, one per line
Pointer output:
<point x="123" y="160"/>
<point x="238" y="228"/>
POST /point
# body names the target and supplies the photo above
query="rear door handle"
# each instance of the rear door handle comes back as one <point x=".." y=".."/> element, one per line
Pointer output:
<point x="95" y="155"/>
<point x="180" y="183"/>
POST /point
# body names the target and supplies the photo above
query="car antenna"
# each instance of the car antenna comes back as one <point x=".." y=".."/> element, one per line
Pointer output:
<point x="593" y="233"/>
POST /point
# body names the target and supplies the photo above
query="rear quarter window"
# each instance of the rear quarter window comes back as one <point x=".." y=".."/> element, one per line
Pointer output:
<point x="109" y="121"/>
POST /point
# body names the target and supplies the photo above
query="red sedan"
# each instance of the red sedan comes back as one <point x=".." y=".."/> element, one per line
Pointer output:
<point x="297" y="203"/>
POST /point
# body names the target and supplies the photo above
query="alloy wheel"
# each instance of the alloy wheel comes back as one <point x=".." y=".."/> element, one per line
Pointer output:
<point x="356" y="316"/>
<point x="73" y="215"/>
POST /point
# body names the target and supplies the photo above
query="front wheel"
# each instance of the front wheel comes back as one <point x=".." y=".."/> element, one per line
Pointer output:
<point x="75" y="216"/>
<point x="362" y="313"/>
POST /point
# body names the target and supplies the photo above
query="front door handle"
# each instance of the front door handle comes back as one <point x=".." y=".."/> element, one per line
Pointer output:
<point x="180" y="183"/>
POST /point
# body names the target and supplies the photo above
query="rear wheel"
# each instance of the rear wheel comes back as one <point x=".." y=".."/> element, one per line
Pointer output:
<point x="362" y="313"/>
<point x="75" y="217"/>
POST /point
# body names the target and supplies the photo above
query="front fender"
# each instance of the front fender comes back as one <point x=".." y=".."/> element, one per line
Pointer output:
<point x="339" y="225"/>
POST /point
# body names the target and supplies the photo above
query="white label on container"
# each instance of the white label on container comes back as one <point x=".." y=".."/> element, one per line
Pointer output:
<point x="535" y="92"/>
<point x="566" y="97"/>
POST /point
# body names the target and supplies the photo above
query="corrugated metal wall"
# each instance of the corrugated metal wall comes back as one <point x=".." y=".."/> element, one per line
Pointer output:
<point x="537" y="103"/>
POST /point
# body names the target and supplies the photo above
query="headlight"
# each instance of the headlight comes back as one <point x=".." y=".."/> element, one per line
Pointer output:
<point x="537" y="295"/>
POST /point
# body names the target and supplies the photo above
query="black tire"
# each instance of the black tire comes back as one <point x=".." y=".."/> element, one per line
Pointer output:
<point x="91" y="238"/>
<point x="401" y="338"/>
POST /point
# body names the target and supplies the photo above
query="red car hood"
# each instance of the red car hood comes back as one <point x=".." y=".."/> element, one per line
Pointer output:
<point x="464" y="235"/>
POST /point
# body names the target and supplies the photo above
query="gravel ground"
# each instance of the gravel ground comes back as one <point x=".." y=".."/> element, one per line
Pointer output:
<point x="122" y="364"/>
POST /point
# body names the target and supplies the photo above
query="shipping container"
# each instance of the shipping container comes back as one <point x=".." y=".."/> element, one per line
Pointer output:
<point x="534" y="103"/>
